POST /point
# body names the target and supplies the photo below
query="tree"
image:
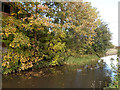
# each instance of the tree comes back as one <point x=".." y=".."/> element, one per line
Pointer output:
<point x="82" y="19"/>
<point x="102" y="40"/>
<point x="33" y="39"/>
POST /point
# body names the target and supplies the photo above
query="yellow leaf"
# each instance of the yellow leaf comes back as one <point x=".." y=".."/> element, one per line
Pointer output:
<point x="13" y="14"/>
<point x="20" y="12"/>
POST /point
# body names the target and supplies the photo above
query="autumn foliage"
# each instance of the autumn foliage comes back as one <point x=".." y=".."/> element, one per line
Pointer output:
<point x="45" y="34"/>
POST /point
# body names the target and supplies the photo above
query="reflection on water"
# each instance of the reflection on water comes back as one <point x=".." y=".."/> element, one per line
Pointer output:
<point x="89" y="76"/>
<point x="110" y="60"/>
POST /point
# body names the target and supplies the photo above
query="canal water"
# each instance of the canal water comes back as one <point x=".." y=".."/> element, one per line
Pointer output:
<point x="88" y="76"/>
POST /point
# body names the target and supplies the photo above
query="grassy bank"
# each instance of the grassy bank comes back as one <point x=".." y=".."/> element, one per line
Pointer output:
<point x="86" y="59"/>
<point x="112" y="51"/>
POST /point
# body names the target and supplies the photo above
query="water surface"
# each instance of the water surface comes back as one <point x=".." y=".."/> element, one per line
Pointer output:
<point x="89" y="76"/>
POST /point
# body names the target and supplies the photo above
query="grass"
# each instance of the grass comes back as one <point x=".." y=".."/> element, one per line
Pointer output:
<point x="83" y="60"/>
